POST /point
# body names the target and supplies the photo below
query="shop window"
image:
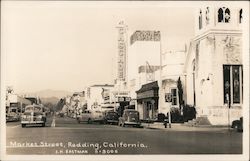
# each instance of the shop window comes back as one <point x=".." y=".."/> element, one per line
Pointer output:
<point x="200" y="20"/>
<point x="224" y="15"/>
<point x="240" y="16"/>
<point x="233" y="80"/>
<point x="174" y="96"/>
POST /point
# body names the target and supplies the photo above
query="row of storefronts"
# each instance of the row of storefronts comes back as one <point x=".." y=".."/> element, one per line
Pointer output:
<point x="207" y="74"/>
<point x="209" y="70"/>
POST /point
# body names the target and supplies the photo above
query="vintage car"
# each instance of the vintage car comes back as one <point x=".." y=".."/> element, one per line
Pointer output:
<point x="13" y="114"/>
<point x="238" y="125"/>
<point x="90" y="116"/>
<point x="33" y="114"/>
<point x="111" y="117"/>
<point x="130" y="117"/>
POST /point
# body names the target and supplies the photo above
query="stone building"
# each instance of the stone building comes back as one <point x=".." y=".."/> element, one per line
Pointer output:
<point x="213" y="67"/>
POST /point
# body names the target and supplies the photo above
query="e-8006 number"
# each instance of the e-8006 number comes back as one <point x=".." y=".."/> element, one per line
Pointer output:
<point x="106" y="151"/>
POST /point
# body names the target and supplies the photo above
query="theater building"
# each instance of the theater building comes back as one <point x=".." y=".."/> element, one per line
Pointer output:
<point x="213" y="67"/>
<point x="143" y="61"/>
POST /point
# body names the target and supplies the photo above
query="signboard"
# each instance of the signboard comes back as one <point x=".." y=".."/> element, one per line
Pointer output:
<point x="145" y="36"/>
<point x="121" y="93"/>
<point x="120" y="99"/>
<point x="121" y="52"/>
<point x="105" y="94"/>
<point x="127" y="99"/>
<point x="168" y="97"/>
<point x="146" y="94"/>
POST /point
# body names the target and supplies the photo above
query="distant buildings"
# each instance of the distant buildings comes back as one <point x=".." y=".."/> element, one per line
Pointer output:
<point x="96" y="95"/>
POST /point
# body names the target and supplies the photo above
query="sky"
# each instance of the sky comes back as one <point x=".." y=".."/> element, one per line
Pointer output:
<point x="63" y="45"/>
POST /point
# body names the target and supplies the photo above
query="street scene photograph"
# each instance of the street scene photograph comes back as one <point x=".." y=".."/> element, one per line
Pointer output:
<point x="124" y="78"/>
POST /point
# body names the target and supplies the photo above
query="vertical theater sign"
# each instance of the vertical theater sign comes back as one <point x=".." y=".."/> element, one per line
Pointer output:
<point x="122" y="50"/>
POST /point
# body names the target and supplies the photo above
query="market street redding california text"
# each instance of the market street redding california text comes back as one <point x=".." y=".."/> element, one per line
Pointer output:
<point x="79" y="145"/>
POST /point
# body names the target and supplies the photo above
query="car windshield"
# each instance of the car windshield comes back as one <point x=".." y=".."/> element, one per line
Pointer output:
<point x="112" y="113"/>
<point x="133" y="113"/>
<point x="13" y="110"/>
<point x="38" y="109"/>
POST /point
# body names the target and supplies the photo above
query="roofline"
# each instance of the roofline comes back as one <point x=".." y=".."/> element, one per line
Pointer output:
<point x="102" y="85"/>
<point x="203" y="36"/>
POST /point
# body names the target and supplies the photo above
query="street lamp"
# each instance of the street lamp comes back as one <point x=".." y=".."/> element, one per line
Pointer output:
<point x="227" y="85"/>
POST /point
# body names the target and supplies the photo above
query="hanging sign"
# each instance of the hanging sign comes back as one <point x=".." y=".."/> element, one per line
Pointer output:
<point x="168" y="97"/>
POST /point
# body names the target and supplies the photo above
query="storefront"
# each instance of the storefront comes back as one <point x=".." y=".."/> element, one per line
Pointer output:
<point x="147" y="101"/>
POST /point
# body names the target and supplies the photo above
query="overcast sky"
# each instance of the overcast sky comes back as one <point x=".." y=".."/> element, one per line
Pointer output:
<point x="68" y="45"/>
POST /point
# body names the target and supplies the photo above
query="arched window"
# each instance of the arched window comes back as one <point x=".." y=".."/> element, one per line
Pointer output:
<point x="224" y="15"/>
<point x="227" y="15"/>
<point x="200" y="20"/>
<point x="220" y="15"/>
<point x="240" y="16"/>
<point x="207" y="16"/>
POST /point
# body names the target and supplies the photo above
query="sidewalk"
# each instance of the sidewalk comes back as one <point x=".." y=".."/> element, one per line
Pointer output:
<point x="183" y="127"/>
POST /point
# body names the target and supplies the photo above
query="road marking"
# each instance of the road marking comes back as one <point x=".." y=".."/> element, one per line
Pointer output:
<point x="53" y="124"/>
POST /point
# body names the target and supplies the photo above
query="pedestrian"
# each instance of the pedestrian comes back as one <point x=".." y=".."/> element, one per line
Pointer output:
<point x="166" y="122"/>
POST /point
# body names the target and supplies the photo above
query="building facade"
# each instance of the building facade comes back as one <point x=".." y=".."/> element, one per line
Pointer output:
<point x="143" y="61"/>
<point x="94" y="95"/>
<point x="213" y="67"/>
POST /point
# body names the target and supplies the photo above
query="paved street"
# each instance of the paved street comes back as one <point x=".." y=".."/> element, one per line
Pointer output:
<point x="68" y="137"/>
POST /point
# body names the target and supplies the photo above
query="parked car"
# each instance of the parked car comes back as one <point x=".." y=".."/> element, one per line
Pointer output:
<point x="33" y="114"/>
<point x="90" y="116"/>
<point x="61" y="114"/>
<point x="111" y="117"/>
<point x="238" y="125"/>
<point x="13" y="115"/>
<point x="130" y="117"/>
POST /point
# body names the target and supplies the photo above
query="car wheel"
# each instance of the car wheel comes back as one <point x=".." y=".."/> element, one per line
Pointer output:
<point x="235" y="126"/>
<point x="43" y="124"/>
<point x="23" y="125"/>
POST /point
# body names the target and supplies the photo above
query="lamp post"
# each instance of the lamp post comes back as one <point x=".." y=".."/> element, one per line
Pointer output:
<point x="228" y="116"/>
<point x="227" y="86"/>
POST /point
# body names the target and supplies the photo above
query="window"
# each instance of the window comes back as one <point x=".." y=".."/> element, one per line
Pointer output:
<point x="240" y="16"/>
<point x="233" y="80"/>
<point x="227" y="15"/>
<point x="224" y="15"/>
<point x="207" y="16"/>
<point x="174" y="96"/>
<point x="200" y="20"/>
<point x="220" y="15"/>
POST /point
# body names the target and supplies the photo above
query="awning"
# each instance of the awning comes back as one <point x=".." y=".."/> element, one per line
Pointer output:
<point x="149" y="90"/>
